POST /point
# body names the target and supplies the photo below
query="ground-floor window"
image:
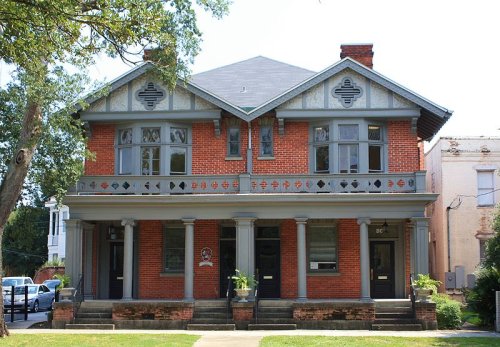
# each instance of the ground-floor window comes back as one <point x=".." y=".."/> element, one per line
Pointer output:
<point x="174" y="248"/>
<point x="322" y="249"/>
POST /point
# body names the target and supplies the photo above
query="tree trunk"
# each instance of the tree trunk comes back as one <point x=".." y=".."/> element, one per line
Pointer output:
<point x="12" y="183"/>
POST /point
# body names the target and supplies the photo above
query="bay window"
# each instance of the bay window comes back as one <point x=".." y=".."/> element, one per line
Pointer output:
<point x="159" y="149"/>
<point x="348" y="146"/>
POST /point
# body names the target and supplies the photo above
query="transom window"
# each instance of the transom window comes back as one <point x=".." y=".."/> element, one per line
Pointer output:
<point x="161" y="149"/>
<point x="343" y="146"/>
<point x="322" y="248"/>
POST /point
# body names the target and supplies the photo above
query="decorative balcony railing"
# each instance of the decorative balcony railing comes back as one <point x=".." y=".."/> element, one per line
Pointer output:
<point x="252" y="184"/>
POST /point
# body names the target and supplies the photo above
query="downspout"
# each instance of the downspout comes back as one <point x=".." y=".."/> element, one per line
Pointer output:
<point x="249" y="149"/>
<point x="448" y="231"/>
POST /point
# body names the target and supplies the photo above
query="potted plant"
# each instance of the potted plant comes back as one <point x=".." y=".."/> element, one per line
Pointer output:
<point x="243" y="285"/>
<point x="425" y="286"/>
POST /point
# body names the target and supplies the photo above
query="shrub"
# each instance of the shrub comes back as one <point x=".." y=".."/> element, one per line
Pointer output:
<point x="448" y="312"/>
<point x="426" y="282"/>
<point x="481" y="298"/>
<point x="64" y="280"/>
<point x="53" y="263"/>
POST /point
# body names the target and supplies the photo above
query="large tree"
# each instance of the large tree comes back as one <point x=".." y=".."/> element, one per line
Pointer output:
<point x="43" y="40"/>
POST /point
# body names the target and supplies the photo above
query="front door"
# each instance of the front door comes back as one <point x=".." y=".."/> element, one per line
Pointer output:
<point x="267" y="261"/>
<point x="116" y="270"/>
<point x="382" y="269"/>
<point x="227" y="251"/>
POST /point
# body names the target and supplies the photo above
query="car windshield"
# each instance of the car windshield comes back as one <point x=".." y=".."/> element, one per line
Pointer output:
<point x="52" y="284"/>
<point x="8" y="282"/>
<point x="20" y="290"/>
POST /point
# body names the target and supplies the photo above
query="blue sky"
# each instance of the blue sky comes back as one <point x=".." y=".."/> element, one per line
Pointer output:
<point x="447" y="51"/>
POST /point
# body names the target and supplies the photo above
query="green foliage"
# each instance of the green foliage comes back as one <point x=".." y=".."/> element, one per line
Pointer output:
<point x="492" y="254"/>
<point x="242" y="281"/>
<point x="448" y="312"/>
<point x="426" y="282"/>
<point x="65" y="279"/>
<point x="56" y="262"/>
<point x="481" y="298"/>
<point x="25" y="240"/>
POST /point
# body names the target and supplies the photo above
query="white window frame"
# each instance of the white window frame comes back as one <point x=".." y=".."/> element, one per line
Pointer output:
<point x="485" y="190"/>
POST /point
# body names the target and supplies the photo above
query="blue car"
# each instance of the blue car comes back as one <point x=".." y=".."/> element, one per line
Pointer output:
<point x="39" y="297"/>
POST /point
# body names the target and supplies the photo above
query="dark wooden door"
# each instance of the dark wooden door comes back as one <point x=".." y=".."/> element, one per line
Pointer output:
<point x="227" y="265"/>
<point x="116" y="270"/>
<point x="267" y="263"/>
<point x="382" y="269"/>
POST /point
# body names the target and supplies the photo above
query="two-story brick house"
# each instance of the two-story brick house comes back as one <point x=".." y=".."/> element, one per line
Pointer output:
<point x="311" y="180"/>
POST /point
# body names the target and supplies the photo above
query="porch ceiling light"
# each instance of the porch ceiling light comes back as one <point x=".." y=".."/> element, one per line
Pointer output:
<point x="385" y="227"/>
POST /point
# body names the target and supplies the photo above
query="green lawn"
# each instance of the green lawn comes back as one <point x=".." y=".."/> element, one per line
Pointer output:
<point x="314" y="341"/>
<point x="111" y="340"/>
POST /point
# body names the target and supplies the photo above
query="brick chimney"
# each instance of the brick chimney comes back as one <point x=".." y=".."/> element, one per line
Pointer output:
<point x="362" y="53"/>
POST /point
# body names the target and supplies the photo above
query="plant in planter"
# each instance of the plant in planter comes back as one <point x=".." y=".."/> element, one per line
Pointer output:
<point x="243" y="284"/>
<point x="425" y="286"/>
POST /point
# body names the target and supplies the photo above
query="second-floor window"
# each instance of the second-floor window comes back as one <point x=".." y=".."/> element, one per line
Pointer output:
<point x="351" y="147"/>
<point x="266" y="140"/>
<point x="485" y="188"/>
<point x="160" y="149"/>
<point x="234" y="143"/>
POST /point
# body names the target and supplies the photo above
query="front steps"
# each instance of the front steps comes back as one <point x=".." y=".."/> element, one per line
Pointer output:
<point x="274" y="315"/>
<point x="93" y="315"/>
<point x="395" y="315"/>
<point x="211" y="315"/>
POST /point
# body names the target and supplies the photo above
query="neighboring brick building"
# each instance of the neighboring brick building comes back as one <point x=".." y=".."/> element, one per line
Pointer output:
<point x="464" y="172"/>
<point x="313" y="179"/>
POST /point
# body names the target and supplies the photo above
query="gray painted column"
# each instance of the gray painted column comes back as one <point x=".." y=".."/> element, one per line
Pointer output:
<point x="301" y="259"/>
<point x="73" y="261"/>
<point x="420" y="246"/>
<point x="128" y="258"/>
<point x="245" y="245"/>
<point x="189" y="260"/>
<point x="88" y="230"/>
<point x="364" y="257"/>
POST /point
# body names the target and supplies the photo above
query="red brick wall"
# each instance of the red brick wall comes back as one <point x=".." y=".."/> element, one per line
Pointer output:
<point x="348" y="283"/>
<point x="47" y="273"/>
<point x="210" y="152"/>
<point x="151" y="284"/>
<point x="290" y="151"/>
<point x="288" y="245"/>
<point x="102" y="145"/>
<point x="403" y="147"/>
<point x="206" y="278"/>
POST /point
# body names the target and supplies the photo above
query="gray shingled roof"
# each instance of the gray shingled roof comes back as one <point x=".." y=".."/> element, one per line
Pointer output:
<point x="250" y="83"/>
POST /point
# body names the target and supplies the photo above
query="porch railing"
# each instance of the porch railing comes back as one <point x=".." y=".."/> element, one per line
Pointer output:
<point x="412" y="295"/>
<point x="78" y="296"/>
<point x="229" y="296"/>
<point x="413" y="182"/>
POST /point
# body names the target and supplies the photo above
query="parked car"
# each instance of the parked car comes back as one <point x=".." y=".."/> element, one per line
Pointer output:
<point x="39" y="297"/>
<point x="53" y="284"/>
<point x="8" y="282"/>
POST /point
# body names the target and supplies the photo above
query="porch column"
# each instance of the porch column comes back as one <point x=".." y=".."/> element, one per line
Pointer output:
<point x="245" y="245"/>
<point x="420" y="246"/>
<point x="301" y="259"/>
<point x="128" y="258"/>
<point x="364" y="256"/>
<point x="189" y="259"/>
<point x="73" y="261"/>
<point x="88" y="230"/>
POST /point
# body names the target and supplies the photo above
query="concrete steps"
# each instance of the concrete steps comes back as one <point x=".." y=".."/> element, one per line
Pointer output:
<point x="93" y="315"/>
<point x="211" y="315"/>
<point x="395" y="315"/>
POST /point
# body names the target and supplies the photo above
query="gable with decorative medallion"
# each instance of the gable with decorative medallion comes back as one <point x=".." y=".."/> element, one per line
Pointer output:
<point x="348" y="90"/>
<point x="145" y="97"/>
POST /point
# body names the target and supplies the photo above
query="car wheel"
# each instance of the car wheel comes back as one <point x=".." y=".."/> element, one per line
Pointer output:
<point x="35" y="307"/>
